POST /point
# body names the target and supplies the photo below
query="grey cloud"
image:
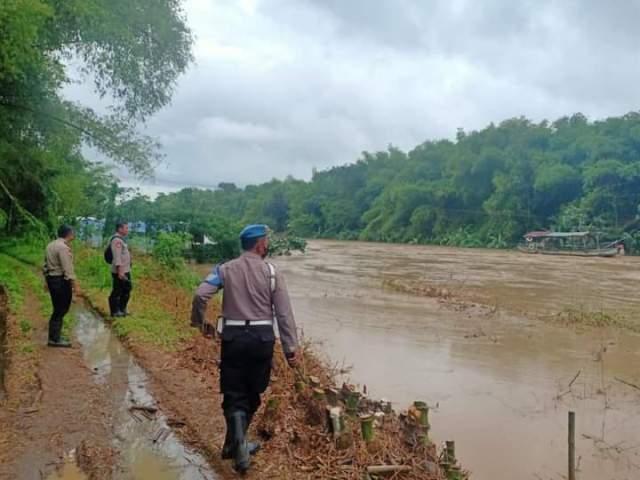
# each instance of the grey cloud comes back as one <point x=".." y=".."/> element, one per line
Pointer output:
<point x="282" y="86"/>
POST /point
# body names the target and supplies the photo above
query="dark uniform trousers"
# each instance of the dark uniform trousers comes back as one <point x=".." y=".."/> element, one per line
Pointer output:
<point x="120" y="293"/>
<point x="61" y="294"/>
<point x="245" y="367"/>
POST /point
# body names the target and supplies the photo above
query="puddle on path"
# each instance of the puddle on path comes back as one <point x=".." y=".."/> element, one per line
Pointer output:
<point x="148" y="447"/>
<point x="69" y="471"/>
<point x="503" y="383"/>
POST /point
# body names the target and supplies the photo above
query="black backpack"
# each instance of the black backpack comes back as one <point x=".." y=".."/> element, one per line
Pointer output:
<point x="108" y="253"/>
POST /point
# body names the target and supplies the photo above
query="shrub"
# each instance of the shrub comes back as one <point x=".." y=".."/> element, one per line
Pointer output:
<point x="169" y="249"/>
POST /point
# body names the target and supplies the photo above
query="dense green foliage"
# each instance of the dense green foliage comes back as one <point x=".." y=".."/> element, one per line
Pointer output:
<point x="131" y="50"/>
<point x="486" y="188"/>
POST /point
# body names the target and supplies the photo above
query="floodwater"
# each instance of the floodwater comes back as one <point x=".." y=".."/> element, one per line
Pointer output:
<point x="500" y="380"/>
<point x="148" y="447"/>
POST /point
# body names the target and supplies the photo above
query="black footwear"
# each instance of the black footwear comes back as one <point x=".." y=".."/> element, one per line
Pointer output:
<point x="118" y="314"/>
<point x="241" y="460"/>
<point x="227" y="448"/>
<point x="59" y="344"/>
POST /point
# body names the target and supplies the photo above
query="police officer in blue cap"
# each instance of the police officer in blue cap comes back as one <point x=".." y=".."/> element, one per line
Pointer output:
<point x="255" y="296"/>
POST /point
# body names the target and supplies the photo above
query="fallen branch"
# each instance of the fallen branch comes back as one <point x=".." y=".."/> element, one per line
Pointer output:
<point x="575" y="378"/>
<point x="144" y="408"/>
<point x="632" y="385"/>
<point x="377" y="469"/>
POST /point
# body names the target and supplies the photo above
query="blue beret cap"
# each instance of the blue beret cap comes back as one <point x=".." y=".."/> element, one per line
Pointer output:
<point x="254" y="231"/>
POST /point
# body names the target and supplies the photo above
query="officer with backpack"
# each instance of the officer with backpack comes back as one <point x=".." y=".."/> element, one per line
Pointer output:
<point x="255" y="295"/>
<point x="117" y="254"/>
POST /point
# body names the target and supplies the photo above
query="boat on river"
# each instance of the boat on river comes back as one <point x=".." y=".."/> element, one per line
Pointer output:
<point x="581" y="244"/>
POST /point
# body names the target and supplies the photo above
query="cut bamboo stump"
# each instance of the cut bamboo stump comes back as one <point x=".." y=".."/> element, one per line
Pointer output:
<point x="366" y="425"/>
<point x="422" y="407"/>
<point x="451" y="451"/>
<point x="318" y="394"/>
<point x="423" y="422"/>
<point x="314" y="381"/>
<point x="336" y="421"/>
<point x="332" y="396"/>
<point x="352" y="402"/>
<point x="454" y="473"/>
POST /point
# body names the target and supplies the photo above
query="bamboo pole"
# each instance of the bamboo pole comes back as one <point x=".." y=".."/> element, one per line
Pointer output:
<point x="572" y="446"/>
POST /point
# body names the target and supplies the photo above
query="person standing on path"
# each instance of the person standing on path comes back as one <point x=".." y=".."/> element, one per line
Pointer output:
<point x="254" y="296"/>
<point x="120" y="271"/>
<point x="61" y="282"/>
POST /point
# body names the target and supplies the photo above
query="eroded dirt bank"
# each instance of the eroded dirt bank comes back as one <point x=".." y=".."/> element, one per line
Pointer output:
<point x="502" y="378"/>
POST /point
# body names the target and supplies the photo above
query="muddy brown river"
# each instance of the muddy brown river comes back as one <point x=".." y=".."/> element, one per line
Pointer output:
<point x="500" y="380"/>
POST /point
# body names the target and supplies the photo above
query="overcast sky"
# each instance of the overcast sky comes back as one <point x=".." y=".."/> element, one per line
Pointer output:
<point x="280" y="87"/>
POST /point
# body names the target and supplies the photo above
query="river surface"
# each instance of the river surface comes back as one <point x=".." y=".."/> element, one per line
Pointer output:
<point x="500" y="380"/>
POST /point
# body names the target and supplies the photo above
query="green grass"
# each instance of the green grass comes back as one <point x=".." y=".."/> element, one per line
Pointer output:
<point x="150" y="323"/>
<point x="10" y="280"/>
<point x="20" y="265"/>
<point x="583" y="316"/>
<point x="25" y="326"/>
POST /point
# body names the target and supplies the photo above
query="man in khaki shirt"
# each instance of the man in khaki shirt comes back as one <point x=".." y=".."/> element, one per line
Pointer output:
<point x="61" y="281"/>
<point x="254" y="295"/>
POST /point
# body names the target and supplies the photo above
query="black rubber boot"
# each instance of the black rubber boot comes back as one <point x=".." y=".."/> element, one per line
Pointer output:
<point x="241" y="449"/>
<point x="253" y="446"/>
<point x="227" y="448"/>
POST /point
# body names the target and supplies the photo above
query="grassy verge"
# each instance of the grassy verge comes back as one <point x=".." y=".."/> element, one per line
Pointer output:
<point x="25" y="258"/>
<point x="18" y="278"/>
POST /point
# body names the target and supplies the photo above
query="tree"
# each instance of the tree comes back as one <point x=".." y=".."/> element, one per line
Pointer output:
<point x="133" y="50"/>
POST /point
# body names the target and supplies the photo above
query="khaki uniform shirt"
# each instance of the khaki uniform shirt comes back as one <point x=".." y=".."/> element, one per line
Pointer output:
<point x="121" y="255"/>
<point x="248" y="296"/>
<point x="58" y="260"/>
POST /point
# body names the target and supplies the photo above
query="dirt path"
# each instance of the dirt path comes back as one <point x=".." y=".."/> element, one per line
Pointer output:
<point x="53" y="406"/>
